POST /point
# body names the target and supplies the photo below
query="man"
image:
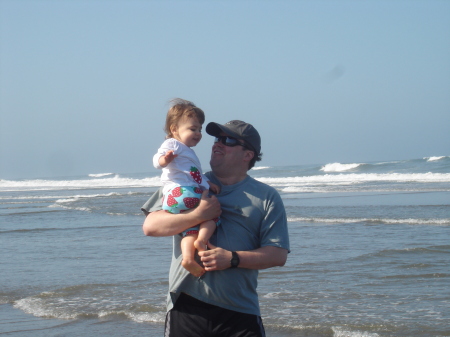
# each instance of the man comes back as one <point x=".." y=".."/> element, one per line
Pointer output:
<point x="253" y="235"/>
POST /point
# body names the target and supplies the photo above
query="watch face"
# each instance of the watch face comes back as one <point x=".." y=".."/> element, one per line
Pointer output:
<point x="234" y="260"/>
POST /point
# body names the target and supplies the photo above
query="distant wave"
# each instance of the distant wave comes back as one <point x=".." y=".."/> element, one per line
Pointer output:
<point x="435" y="158"/>
<point x="99" y="175"/>
<point x="63" y="203"/>
<point x="356" y="182"/>
<point x="260" y="167"/>
<point x="59" y="198"/>
<point x="38" y="230"/>
<point x="287" y="184"/>
<point x="358" y="178"/>
<point x="338" y="167"/>
<point x="374" y="220"/>
<point x="113" y="182"/>
<point x="87" y="196"/>
<point x="30" y="197"/>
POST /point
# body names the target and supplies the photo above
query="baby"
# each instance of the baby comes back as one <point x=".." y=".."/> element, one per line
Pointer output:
<point x="182" y="176"/>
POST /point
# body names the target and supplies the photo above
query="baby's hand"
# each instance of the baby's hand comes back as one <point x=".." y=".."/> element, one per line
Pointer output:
<point x="214" y="188"/>
<point x="166" y="159"/>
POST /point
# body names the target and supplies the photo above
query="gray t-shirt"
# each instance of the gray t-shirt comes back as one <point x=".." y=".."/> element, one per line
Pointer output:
<point x="253" y="216"/>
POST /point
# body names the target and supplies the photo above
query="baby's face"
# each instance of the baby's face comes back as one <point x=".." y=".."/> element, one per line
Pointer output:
<point x="189" y="131"/>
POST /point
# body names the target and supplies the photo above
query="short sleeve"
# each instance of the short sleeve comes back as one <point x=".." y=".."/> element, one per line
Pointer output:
<point x="154" y="203"/>
<point x="274" y="228"/>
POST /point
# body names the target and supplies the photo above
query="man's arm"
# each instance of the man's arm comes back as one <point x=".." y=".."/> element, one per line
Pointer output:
<point x="161" y="223"/>
<point x="262" y="258"/>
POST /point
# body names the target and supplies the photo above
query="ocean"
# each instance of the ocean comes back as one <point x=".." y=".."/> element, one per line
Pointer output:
<point x="370" y="253"/>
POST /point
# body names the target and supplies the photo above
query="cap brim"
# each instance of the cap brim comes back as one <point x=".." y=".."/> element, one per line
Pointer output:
<point x="214" y="129"/>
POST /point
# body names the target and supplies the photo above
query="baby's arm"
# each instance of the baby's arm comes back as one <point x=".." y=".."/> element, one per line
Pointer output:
<point x="213" y="187"/>
<point x="167" y="158"/>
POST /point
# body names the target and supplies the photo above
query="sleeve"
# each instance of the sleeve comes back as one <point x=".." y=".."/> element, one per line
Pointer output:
<point x="168" y="144"/>
<point x="156" y="161"/>
<point x="274" y="229"/>
<point x="154" y="203"/>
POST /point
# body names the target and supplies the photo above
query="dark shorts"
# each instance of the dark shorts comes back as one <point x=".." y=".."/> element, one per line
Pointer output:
<point x="193" y="318"/>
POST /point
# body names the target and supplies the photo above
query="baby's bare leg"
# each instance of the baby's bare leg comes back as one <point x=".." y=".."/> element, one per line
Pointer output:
<point x="188" y="251"/>
<point x="207" y="229"/>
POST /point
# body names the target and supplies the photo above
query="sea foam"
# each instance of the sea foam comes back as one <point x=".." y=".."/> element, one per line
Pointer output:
<point x="99" y="175"/>
<point x="256" y="168"/>
<point x="293" y="183"/>
<point x="438" y="222"/>
<point x="436" y="158"/>
<point x="113" y="182"/>
<point x="338" y="167"/>
<point x="86" y="196"/>
<point x="357" y="178"/>
<point x="340" y="332"/>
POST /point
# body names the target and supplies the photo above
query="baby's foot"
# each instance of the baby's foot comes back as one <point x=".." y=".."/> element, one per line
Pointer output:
<point x="200" y="245"/>
<point x="193" y="267"/>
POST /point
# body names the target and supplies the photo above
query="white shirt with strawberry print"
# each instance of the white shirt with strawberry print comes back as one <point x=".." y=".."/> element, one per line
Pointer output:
<point x="184" y="170"/>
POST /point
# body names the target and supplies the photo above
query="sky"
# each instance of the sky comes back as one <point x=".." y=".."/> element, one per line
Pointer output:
<point x="85" y="85"/>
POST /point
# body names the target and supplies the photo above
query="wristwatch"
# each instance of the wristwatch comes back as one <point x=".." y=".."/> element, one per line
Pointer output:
<point x="234" y="260"/>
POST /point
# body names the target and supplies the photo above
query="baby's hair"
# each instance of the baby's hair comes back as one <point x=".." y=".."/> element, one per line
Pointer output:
<point x="180" y="108"/>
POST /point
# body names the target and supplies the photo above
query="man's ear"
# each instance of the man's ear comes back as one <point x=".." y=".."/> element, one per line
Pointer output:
<point x="249" y="155"/>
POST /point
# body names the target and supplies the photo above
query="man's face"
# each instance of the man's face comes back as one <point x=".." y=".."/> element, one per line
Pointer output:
<point x="227" y="157"/>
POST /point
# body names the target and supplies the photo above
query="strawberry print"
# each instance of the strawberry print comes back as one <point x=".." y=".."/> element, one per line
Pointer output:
<point x="171" y="201"/>
<point x="177" y="192"/>
<point x="191" y="202"/>
<point x="197" y="190"/>
<point x="195" y="174"/>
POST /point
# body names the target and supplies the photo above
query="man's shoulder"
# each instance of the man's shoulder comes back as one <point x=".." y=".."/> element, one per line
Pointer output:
<point x="261" y="185"/>
<point x="248" y="182"/>
<point x="260" y="189"/>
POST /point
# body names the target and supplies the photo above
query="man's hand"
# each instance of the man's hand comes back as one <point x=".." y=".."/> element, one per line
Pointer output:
<point x="265" y="257"/>
<point x="209" y="207"/>
<point x="214" y="188"/>
<point x="216" y="258"/>
<point x="167" y="158"/>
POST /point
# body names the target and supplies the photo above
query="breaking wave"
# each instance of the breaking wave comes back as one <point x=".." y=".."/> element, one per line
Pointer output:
<point x="338" y="167"/>
<point x="256" y="168"/>
<point x="436" y="158"/>
<point x="113" y="182"/>
<point x="99" y="175"/>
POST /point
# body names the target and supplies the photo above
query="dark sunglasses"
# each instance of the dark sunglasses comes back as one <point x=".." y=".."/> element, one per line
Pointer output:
<point x="229" y="141"/>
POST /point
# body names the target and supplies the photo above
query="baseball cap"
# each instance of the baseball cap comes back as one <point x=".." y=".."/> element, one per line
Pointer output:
<point x="237" y="129"/>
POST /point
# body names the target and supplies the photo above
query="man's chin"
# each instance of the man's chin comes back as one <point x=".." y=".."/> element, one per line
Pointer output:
<point x="214" y="162"/>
